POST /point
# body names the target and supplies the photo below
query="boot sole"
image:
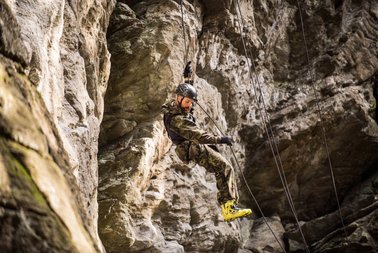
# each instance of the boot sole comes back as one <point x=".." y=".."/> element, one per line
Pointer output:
<point x="232" y="219"/>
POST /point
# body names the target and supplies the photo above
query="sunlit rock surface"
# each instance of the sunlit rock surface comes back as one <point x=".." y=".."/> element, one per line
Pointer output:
<point x="51" y="108"/>
<point x="150" y="201"/>
<point x="81" y="85"/>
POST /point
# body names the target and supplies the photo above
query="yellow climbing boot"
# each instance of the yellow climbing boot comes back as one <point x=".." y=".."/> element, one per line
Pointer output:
<point x="230" y="212"/>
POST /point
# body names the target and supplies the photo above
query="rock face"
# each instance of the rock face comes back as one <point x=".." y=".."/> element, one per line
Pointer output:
<point x="318" y="108"/>
<point x="298" y="97"/>
<point x="31" y="172"/>
<point x="54" y="69"/>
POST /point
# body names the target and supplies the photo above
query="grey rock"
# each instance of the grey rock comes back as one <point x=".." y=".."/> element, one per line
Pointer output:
<point x="338" y="79"/>
<point x="33" y="216"/>
<point x="57" y="86"/>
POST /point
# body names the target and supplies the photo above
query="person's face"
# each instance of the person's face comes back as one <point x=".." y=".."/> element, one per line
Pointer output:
<point x="186" y="103"/>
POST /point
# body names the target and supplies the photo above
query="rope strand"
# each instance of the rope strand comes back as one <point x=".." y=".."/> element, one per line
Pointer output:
<point x="320" y="117"/>
<point x="244" y="179"/>
<point x="267" y="126"/>
<point x="281" y="173"/>
<point x="183" y="32"/>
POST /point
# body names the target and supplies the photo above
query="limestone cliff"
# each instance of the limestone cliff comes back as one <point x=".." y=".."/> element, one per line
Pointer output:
<point x="54" y="71"/>
<point x="81" y="85"/>
<point x="311" y="103"/>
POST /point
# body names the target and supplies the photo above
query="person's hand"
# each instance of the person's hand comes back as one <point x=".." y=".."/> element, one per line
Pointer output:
<point x="227" y="140"/>
<point x="188" y="70"/>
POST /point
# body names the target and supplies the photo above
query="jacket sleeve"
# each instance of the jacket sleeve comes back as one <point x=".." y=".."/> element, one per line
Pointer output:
<point x="190" y="131"/>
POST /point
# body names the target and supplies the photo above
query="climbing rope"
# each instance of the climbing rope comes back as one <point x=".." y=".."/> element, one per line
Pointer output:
<point x="311" y="74"/>
<point x="267" y="126"/>
<point x="275" y="149"/>
<point x="244" y="179"/>
<point x="232" y="150"/>
<point x="183" y="32"/>
<point x="239" y="167"/>
<point x="269" y="132"/>
<point x="188" y="71"/>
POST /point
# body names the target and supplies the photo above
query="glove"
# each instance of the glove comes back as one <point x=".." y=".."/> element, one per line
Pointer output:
<point x="227" y="140"/>
<point x="188" y="70"/>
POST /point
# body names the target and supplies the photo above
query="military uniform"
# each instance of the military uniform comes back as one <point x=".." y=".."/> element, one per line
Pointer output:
<point x="191" y="142"/>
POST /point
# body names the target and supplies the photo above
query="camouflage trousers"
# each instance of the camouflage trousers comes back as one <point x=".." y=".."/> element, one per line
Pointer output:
<point x="215" y="163"/>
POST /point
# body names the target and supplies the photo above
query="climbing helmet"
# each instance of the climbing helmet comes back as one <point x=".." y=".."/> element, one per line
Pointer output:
<point x="187" y="90"/>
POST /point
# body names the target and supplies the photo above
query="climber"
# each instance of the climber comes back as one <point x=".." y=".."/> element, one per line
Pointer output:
<point x="191" y="142"/>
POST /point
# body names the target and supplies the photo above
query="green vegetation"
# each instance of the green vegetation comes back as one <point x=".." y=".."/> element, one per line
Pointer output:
<point x="22" y="183"/>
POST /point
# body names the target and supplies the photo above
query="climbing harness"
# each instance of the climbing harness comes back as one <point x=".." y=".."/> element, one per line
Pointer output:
<point x="321" y="118"/>
<point x="173" y="136"/>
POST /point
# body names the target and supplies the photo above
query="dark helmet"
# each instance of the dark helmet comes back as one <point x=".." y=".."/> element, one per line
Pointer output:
<point x="187" y="90"/>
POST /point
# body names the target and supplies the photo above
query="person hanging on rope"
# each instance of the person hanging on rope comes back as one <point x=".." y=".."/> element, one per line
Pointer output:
<point x="194" y="144"/>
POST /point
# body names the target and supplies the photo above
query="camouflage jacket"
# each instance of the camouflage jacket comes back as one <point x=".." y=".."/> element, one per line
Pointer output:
<point x="184" y="132"/>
